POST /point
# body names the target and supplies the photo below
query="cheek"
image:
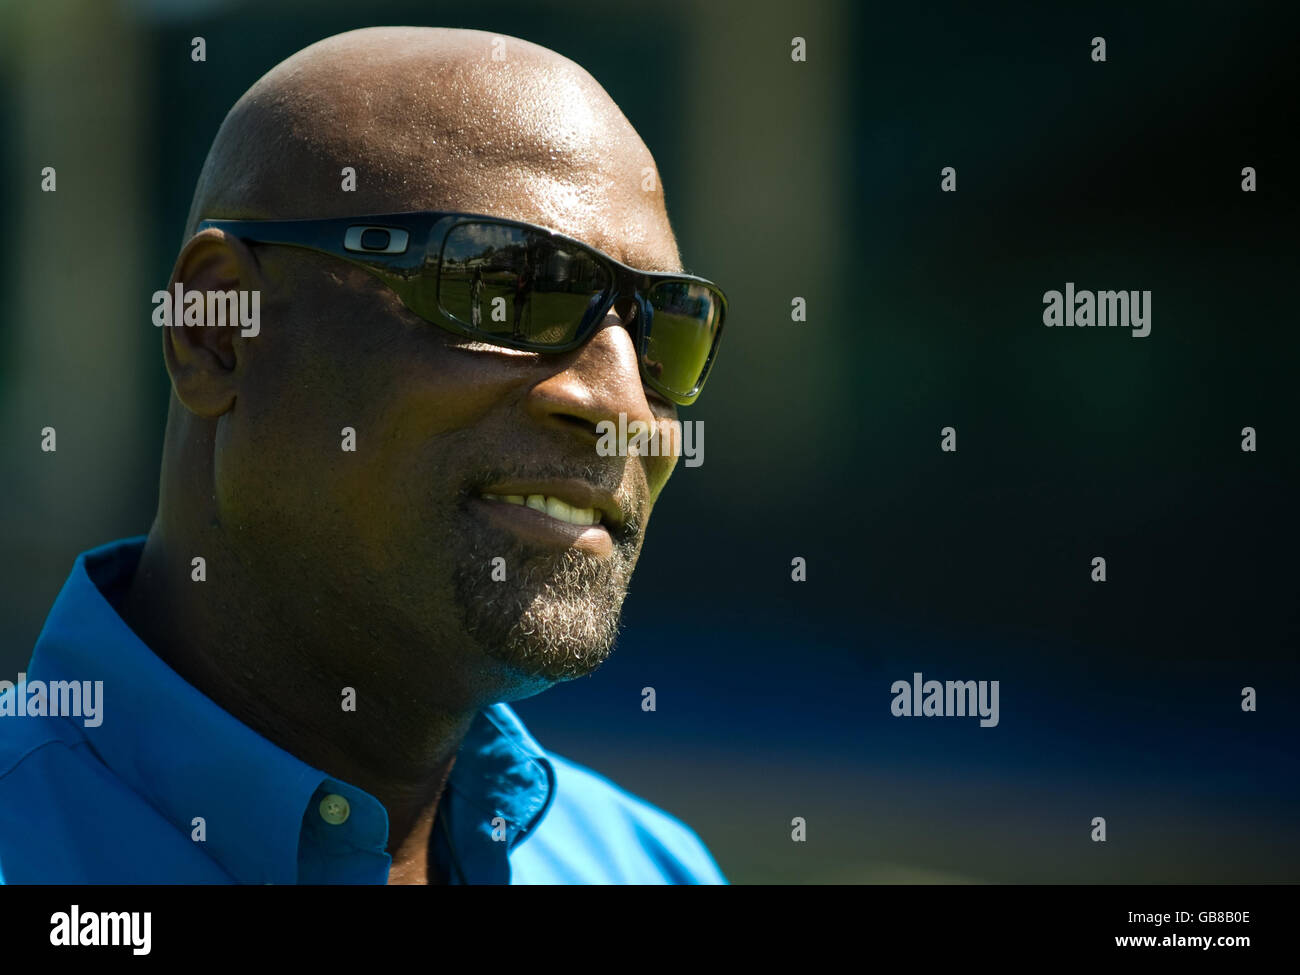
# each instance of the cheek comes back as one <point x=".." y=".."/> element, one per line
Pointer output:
<point x="357" y="435"/>
<point x="295" y="455"/>
<point x="671" y="431"/>
<point x="658" y="470"/>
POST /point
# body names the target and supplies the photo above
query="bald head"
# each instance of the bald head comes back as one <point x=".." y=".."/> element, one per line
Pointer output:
<point x="347" y="470"/>
<point x="439" y="119"/>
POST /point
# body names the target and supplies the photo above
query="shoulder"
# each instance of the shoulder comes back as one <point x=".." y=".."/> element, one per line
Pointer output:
<point x="36" y="754"/>
<point x="60" y="805"/>
<point x="22" y="736"/>
<point x="597" y="832"/>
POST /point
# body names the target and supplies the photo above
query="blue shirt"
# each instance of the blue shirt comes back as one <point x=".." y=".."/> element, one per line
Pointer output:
<point x="163" y="786"/>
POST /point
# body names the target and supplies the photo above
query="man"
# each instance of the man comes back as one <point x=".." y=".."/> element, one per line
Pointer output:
<point x="523" y="290"/>
<point x="376" y="522"/>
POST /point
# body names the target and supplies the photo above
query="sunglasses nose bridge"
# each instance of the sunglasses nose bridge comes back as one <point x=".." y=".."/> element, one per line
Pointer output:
<point x="622" y="294"/>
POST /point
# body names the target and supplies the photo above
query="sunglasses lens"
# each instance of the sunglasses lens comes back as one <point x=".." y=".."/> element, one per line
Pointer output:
<point x="686" y="324"/>
<point x="518" y="285"/>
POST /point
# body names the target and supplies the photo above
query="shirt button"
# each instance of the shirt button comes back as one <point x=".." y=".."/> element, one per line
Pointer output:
<point x="334" y="809"/>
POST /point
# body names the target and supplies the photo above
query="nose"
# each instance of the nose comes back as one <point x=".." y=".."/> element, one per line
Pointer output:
<point x="599" y="381"/>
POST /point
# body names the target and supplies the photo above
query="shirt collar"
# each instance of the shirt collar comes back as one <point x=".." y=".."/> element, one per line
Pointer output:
<point x="188" y="757"/>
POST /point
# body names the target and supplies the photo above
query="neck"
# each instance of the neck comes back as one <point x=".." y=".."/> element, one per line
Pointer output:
<point x="287" y="678"/>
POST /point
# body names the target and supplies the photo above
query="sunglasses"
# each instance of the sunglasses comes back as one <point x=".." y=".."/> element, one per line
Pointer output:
<point x="519" y="286"/>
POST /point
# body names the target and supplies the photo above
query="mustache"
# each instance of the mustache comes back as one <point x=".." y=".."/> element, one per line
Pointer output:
<point x="604" y="477"/>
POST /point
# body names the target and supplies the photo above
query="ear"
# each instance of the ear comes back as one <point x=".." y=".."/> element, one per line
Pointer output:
<point x="203" y="360"/>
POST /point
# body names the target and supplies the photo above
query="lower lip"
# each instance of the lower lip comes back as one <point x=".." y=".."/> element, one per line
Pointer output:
<point x="540" y="527"/>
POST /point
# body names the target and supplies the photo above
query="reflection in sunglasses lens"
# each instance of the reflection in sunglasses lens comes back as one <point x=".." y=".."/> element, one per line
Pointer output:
<point x="681" y="333"/>
<point x="518" y="285"/>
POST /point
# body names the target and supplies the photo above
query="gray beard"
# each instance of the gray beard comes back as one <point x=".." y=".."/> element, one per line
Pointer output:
<point x="555" y="615"/>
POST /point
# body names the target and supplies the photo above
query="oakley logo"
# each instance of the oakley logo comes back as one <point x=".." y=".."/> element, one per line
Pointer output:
<point x="1127" y="309"/>
<point x="376" y="240"/>
<point x="666" y="438"/>
<point x="237" y="309"/>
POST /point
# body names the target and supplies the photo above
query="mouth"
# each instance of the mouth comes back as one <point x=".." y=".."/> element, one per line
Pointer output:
<point x="552" y="506"/>
<point x="567" y="514"/>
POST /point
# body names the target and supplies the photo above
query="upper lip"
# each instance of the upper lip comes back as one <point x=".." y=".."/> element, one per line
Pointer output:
<point x="579" y="494"/>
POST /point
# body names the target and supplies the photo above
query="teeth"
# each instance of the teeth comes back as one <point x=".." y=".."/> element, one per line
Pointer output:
<point x="557" y="509"/>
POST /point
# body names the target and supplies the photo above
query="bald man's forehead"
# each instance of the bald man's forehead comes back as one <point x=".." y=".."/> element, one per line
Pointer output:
<point x="430" y="120"/>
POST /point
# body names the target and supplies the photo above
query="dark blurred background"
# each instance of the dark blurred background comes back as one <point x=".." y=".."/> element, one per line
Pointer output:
<point x="821" y="180"/>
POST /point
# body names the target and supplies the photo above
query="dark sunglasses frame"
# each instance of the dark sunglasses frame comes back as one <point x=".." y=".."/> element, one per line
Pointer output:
<point x="400" y="248"/>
